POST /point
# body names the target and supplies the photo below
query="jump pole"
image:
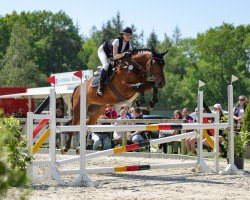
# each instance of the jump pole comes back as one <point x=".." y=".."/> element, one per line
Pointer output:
<point x="127" y="148"/>
<point x="231" y="168"/>
<point x="129" y="168"/>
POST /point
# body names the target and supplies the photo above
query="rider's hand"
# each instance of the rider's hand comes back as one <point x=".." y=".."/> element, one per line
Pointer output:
<point x="127" y="54"/>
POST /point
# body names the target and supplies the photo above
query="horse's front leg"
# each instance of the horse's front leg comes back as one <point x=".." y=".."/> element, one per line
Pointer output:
<point x="154" y="100"/>
<point x="65" y="149"/>
<point x="141" y="101"/>
<point x="139" y="87"/>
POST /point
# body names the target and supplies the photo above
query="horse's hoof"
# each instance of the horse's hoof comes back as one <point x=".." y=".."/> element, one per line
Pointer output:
<point x="64" y="151"/>
<point x="142" y="101"/>
<point x="152" y="104"/>
<point x="155" y="100"/>
<point x="78" y="151"/>
<point x="138" y="103"/>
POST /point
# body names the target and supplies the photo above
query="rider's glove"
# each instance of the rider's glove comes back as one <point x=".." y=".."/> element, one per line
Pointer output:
<point x="127" y="54"/>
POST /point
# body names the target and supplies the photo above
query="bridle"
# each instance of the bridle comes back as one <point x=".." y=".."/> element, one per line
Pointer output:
<point x="144" y="73"/>
<point x="150" y="75"/>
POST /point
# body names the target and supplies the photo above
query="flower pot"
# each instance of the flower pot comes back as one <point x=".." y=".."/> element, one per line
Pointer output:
<point x="238" y="161"/>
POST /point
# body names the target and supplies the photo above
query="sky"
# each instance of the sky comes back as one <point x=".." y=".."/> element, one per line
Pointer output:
<point x="162" y="16"/>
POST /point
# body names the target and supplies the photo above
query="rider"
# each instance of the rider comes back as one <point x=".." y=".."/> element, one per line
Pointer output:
<point x="120" y="47"/>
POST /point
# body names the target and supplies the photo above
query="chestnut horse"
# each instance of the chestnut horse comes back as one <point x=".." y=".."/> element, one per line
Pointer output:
<point x="142" y="72"/>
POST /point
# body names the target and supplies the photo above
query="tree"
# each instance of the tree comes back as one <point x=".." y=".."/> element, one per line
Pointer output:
<point x="18" y="67"/>
<point x="152" y="41"/>
<point x="176" y="34"/>
<point x="222" y="52"/>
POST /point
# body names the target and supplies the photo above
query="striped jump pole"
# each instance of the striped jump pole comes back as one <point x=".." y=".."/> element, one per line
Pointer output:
<point x="154" y="127"/>
<point x="128" y="148"/>
<point x="129" y="168"/>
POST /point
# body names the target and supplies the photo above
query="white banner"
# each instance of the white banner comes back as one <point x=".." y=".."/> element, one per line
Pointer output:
<point x="68" y="78"/>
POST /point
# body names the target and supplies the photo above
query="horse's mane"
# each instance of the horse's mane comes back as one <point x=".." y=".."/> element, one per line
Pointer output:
<point x="141" y="50"/>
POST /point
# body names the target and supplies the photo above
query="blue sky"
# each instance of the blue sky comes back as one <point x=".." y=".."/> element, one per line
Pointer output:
<point x="162" y="16"/>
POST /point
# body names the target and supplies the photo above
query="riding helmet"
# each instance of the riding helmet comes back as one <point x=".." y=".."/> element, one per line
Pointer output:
<point x="127" y="30"/>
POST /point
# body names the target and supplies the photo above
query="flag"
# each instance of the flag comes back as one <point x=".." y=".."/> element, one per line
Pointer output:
<point x="51" y="80"/>
<point x="201" y="83"/>
<point x="234" y="78"/>
<point x="78" y="74"/>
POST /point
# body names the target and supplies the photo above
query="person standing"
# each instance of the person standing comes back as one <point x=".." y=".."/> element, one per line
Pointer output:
<point x="238" y="111"/>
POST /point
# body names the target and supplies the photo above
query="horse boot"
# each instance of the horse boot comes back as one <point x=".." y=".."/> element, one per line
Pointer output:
<point x="100" y="90"/>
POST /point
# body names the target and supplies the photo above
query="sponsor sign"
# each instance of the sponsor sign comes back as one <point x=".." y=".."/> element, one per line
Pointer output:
<point x="67" y="78"/>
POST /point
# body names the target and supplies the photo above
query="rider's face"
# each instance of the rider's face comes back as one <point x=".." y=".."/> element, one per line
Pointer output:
<point x="127" y="36"/>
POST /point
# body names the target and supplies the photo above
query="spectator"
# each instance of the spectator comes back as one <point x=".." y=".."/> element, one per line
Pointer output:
<point x="126" y="108"/>
<point x="20" y="113"/>
<point x="185" y="115"/>
<point x="132" y="112"/>
<point x="104" y="138"/>
<point x="14" y="114"/>
<point x="138" y="136"/>
<point x="118" y="135"/>
<point x="238" y="111"/>
<point x="110" y="112"/>
<point x="176" y="115"/>
<point x="190" y="142"/>
<point x="217" y="108"/>
<point x="194" y="114"/>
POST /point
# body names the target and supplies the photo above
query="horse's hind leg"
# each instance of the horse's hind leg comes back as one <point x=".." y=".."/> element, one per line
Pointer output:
<point x="95" y="111"/>
<point x="75" y="119"/>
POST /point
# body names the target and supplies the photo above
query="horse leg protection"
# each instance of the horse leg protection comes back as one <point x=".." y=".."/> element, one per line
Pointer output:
<point x="100" y="90"/>
<point x="140" y="101"/>
<point x="139" y="87"/>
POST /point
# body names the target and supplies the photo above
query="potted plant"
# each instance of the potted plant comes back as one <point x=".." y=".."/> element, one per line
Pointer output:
<point x="246" y="128"/>
<point x="241" y="140"/>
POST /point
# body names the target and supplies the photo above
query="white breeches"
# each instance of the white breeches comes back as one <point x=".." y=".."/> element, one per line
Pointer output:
<point x="103" y="58"/>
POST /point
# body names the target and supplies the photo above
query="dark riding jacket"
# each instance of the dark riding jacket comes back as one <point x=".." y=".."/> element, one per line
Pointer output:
<point x="108" y="47"/>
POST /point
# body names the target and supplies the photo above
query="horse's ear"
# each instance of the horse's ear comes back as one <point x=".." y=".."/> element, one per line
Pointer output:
<point x="154" y="53"/>
<point x="164" y="53"/>
<point x="152" y="49"/>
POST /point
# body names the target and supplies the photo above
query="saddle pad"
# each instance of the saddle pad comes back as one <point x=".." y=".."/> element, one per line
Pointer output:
<point x="96" y="79"/>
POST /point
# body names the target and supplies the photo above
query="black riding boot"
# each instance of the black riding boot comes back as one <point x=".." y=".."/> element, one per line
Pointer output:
<point x="100" y="90"/>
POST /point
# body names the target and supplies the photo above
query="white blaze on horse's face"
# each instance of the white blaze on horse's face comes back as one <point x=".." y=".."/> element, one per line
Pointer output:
<point x="157" y="72"/>
<point x="156" y="67"/>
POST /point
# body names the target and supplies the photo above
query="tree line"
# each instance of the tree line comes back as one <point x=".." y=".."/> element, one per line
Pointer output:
<point x="35" y="44"/>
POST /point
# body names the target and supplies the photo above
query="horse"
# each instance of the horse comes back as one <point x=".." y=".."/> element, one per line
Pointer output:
<point x="132" y="76"/>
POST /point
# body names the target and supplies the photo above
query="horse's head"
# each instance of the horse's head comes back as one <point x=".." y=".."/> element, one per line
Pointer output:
<point x="155" y="68"/>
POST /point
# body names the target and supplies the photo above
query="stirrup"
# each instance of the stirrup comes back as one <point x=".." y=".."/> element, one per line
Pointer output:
<point x="99" y="92"/>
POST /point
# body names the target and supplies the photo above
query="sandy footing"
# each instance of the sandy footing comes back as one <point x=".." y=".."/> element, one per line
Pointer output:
<point x="179" y="183"/>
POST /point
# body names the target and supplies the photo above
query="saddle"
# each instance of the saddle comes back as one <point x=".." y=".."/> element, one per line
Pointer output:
<point x="96" y="79"/>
